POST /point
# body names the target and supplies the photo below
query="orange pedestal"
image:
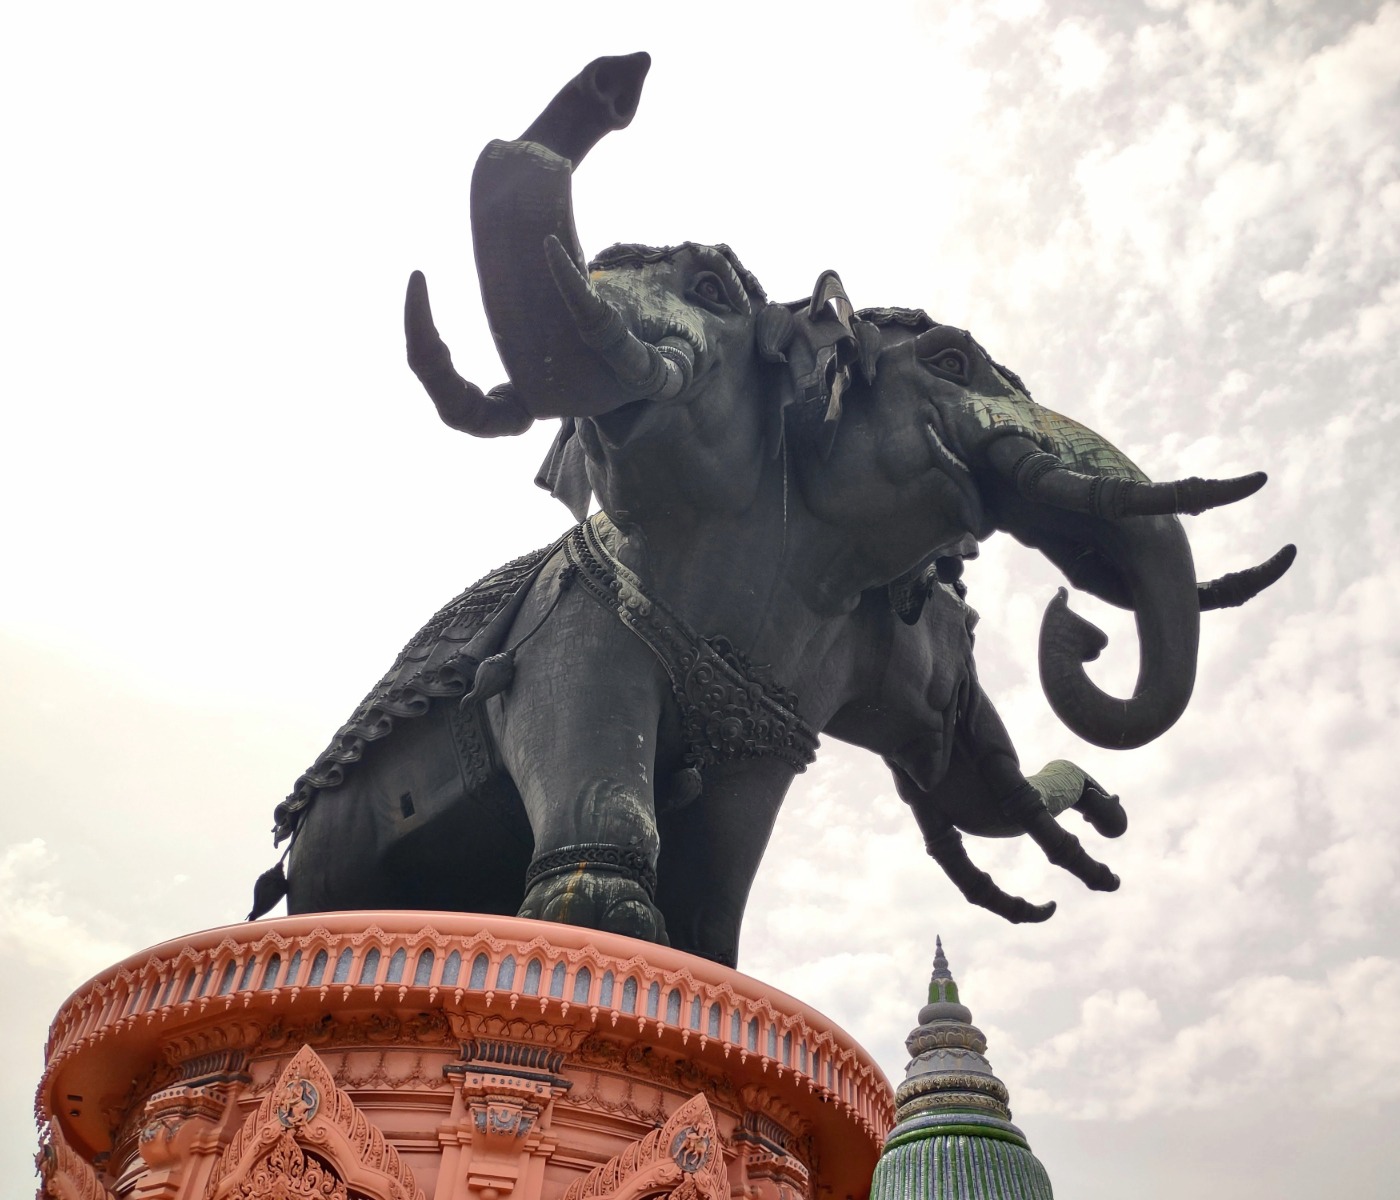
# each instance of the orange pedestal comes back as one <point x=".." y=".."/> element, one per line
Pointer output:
<point x="408" y="1055"/>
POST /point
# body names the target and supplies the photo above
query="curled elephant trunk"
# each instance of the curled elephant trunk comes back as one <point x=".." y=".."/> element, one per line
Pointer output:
<point x="1128" y="548"/>
<point x="1154" y="560"/>
<point x="520" y="198"/>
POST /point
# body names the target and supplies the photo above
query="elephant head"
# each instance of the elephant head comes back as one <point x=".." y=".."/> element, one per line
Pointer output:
<point x="616" y="346"/>
<point x="677" y="381"/>
<point x="954" y="438"/>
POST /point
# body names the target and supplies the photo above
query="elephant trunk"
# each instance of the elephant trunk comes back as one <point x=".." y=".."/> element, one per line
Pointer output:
<point x="598" y="100"/>
<point x="521" y="197"/>
<point x="1114" y="532"/>
<point x="1153" y="558"/>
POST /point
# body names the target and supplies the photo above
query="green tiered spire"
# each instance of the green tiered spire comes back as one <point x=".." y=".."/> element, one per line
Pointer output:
<point x="953" y="1138"/>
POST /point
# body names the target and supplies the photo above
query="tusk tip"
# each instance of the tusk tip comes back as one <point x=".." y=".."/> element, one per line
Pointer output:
<point x="1253" y="481"/>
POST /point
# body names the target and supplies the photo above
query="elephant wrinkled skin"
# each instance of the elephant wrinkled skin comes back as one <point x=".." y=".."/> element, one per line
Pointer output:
<point x="602" y="733"/>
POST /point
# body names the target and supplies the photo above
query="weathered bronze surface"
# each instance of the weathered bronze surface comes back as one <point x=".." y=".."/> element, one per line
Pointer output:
<point x="601" y="733"/>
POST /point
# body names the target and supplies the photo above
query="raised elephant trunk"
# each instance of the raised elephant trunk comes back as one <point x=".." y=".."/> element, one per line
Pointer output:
<point x="521" y="197"/>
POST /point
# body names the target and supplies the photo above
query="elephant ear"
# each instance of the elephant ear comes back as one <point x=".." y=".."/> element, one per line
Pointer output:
<point x="564" y="472"/>
<point x="825" y="341"/>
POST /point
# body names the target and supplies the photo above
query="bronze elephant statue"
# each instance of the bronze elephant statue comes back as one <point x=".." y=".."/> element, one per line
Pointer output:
<point x="602" y="732"/>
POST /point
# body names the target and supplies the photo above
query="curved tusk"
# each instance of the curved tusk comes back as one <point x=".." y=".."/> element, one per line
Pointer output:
<point x="658" y="372"/>
<point x="1044" y="479"/>
<point x="459" y="403"/>
<point x="1239" y="587"/>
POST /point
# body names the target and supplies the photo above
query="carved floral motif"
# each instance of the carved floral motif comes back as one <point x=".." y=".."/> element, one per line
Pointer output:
<point x="289" y="1173"/>
<point x="64" y="1173"/>
<point x="682" y="1159"/>
<point x="306" y="1109"/>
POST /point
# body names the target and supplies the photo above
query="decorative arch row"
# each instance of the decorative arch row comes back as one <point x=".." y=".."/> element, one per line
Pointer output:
<point x="444" y="970"/>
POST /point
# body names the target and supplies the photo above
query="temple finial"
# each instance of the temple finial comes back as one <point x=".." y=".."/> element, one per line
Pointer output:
<point x="953" y="1115"/>
<point x="940" y="985"/>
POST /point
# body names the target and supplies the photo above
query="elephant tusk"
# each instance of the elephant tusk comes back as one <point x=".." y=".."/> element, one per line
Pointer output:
<point x="1044" y="479"/>
<point x="1239" y="587"/>
<point x="659" y="372"/>
<point x="459" y="403"/>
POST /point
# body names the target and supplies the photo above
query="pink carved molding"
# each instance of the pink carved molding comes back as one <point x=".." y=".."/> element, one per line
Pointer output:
<point x="483" y="1057"/>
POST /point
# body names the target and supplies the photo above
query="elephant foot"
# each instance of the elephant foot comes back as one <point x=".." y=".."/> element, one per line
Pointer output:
<point x="1026" y="808"/>
<point x="597" y="886"/>
<point x="947" y="850"/>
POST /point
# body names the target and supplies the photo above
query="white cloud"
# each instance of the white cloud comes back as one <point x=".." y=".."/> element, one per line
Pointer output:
<point x="1337" y="92"/>
<point x="1219" y="25"/>
<point x="37" y="927"/>
<point x="1017" y="11"/>
<point x="1373" y="331"/>
<point x="1131" y="193"/>
<point x="1283" y="1038"/>
<point x="1082" y="61"/>
<point x="1285" y="288"/>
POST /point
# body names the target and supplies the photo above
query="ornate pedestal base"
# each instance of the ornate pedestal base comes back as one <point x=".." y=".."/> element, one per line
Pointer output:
<point x="408" y="1056"/>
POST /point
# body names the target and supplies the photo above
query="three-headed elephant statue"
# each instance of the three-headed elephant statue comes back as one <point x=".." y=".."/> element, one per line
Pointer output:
<point x="602" y="732"/>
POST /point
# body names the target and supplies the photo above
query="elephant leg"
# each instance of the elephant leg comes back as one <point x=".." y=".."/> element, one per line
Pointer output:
<point x="987" y="743"/>
<point x="945" y="845"/>
<point x="1063" y="785"/>
<point x="710" y="851"/>
<point x="334" y="861"/>
<point x="405" y="831"/>
<point x="577" y="731"/>
<point x="947" y="850"/>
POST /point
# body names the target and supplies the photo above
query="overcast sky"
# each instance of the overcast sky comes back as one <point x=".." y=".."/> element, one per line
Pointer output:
<point x="229" y="503"/>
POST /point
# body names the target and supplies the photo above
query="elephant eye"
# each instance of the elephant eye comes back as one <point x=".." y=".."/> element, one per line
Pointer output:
<point x="949" y="362"/>
<point x="708" y="288"/>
